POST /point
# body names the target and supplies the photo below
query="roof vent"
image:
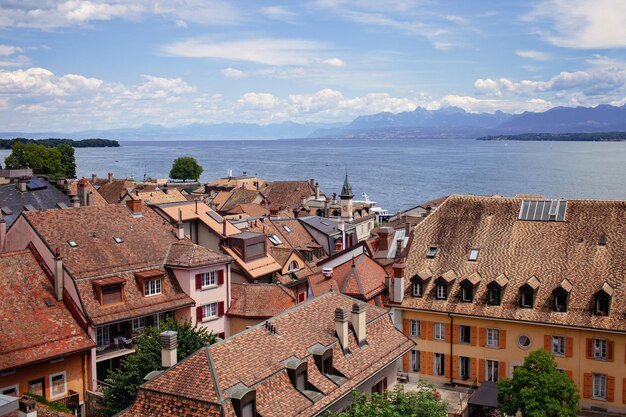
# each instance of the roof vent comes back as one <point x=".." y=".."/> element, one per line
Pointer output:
<point x="327" y="271"/>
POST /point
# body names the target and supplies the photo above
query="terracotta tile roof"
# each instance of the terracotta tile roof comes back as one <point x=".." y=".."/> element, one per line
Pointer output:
<point x="113" y="191"/>
<point x="31" y="330"/>
<point x="517" y="252"/>
<point x="220" y="199"/>
<point x="96" y="197"/>
<point x="297" y="237"/>
<point x="197" y="210"/>
<point x="251" y="209"/>
<point x="287" y="194"/>
<point x="259" y="300"/>
<point x="169" y="405"/>
<point x="42" y="411"/>
<point x="365" y="279"/>
<point x="241" y="196"/>
<point x="255" y="268"/>
<point x="189" y="255"/>
<point x="158" y="196"/>
<point x="297" y="330"/>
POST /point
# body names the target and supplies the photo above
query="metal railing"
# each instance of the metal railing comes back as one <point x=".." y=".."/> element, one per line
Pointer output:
<point x="71" y="401"/>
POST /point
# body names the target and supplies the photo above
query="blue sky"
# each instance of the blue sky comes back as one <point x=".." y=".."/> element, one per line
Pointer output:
<point x="69" y="65"/>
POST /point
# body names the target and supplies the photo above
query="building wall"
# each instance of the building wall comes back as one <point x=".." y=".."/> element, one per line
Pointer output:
<point x="510" y="354"/>
<point x="320" y="238"/>
<point x="73" y="366"/>
<point x="239" y="324"/>
<point x="363" y="229"/>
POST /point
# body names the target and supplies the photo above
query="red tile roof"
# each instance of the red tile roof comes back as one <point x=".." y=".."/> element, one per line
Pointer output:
<point x="256" y="358"/>
<point x="113" y="191"/>
<point x="251" y="209"/>
<point x="189" y="255"/>
<point x="259" y="300"/>
<point x="97" y="199"/>
<point x="31" y="330"/>
<point x="287" y="194"/>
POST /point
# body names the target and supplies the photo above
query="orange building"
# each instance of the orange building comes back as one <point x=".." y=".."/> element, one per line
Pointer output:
<point x="489" y="279"/>
<point x="43" y="349"/>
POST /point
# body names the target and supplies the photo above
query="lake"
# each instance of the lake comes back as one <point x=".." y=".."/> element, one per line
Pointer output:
<point x="397" y="173"/>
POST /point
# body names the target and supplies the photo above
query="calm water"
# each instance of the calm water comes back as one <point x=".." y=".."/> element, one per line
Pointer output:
<point x="396" y="173"/>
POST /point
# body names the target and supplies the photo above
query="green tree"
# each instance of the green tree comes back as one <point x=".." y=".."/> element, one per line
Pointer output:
<point x="538" y="389"/>
<point x="67" y="160"/>
<point x="125" y="381"/>
<point x="185" y="168"/>
<point x="40" y="159"/>
<point x="397" y="403"/>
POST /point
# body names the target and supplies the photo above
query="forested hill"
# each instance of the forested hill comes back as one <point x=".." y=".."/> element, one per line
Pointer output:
<point x="52" y="142"/>
<point x="564" y="137"/>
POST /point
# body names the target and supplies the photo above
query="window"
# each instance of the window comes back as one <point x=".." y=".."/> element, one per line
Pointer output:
<point x="102" y="336"/>
<point x="442" y="291"/>
<point x="415" y="328"/>
<point x="415" y="360"/>
<point x="57" y="384"/>
<point x="467" y="293"/>
<point x="118" y="239"/>
<point x="139" y="323"/>
<point x="559" y="300"/>
<point x="527" y="296"/>
<point x="37" y="387"/>
<point x="602" y="304"/>
<point x="208" y="279"/>
<point x="293" y="266"/>
<point x="72" y="243"/>
<point x="432" y="251"/>
<point x="275" y="239"/>
<point x="523" y="341"/>
<point x="599" y="386"/>
<point x="10" y="390"/>
<point x="380" y="387"/>
<point x="152" y="287"/>
<point x="494" y="295"/>
<point x="473" y="255"/>
<point x="493" y="337"/>
<point x="418" y="289"/>
<point x="160" y="318"/>
<point x="440" y="364"/>
<point x="599" y="348"/>
<point x="112" y="294"/>
<point x="287" y="228"/>
<point x="465" y="334"/>
<point x="558" y="345"/>
<point x="464" y="367"/>
<point x="209" y="311"/>
<point x="440" y="331"/>
<point x="492" y="371"/>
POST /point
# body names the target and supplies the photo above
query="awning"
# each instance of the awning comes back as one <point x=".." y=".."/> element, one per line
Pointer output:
<point x="486" y="395"/>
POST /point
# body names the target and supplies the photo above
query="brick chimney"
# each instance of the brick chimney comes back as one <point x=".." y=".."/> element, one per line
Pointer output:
<point x="3" y="233"/>
<point x="384" y="236"/>
<point x="81" y="192"/>
<point x="407" y="228"/>
<point x="58" y="275"/>
<point x="27" y="407"/>
<point x="110" y="177"/>
<point x="93" y="178"/>
<point x="397" y="293"/>
<point x="398" y="247"/>
<point x="169" y="345"/>
<point x="75" y="202"/>
<point x="341" y="327"/>
<point x="180" y="227"/>
<point x="358" y="323"/>
<point x="165" y="189"/>
<point x="134" y="206"/>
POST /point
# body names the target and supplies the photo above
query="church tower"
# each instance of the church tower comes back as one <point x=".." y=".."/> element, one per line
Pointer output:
<point x="346" y="200"/>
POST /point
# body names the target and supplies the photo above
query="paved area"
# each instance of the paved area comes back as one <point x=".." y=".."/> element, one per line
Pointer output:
<point x="456" y="397"/>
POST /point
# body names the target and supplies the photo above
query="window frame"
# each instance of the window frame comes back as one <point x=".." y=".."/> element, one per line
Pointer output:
<point x="439" y="331"/>
<point x="415" y="325"/>
<point x="150" y="290"/>
<point x="15" y="387"/>
<point x="599" y="381"/>
<point x="558" y="345"/>
<point x="105" y="336"/>
<point x="441" y="291"/>
<point x="439" y="365"/>
<point x="560" y="293"/>
<point x="464" y="362"/>
<point x="416" y="284"/>
<point x="414" y="360"/>
<point x="602" y="297"/>
<point x="468" y="330"/>
<point x="602" y="348"/>
<point x="205" y="316"/>
<point x="141" y="323"/>
<point x="63" y="374"/>
<point x="431" y="252"/>
<point x="473" y="255"/>
<point x="492" y="368"/>
<point x="526" y="292"/>
<point x="465" y="289"/>
<point x="492" y="338"/>
<point x="490" y="291"/>
<point x="210" y="277"/>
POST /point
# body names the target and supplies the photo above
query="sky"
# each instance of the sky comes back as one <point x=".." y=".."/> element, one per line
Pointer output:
<point x="69" y="65"/>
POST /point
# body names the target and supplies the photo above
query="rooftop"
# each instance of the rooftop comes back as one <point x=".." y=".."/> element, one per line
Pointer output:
<point x="45" y="197"/>
<point x="259" y="300"/>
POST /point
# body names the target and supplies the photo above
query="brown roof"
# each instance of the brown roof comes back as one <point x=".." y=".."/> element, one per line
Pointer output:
<point x="113" y="191"/>
<point x="255" y="268"/>
<point x="287" y="194"/>
<point x="360" y="277"/>
<point x="241" y="196"/>
<point x="31" y="330"/>
<point x="211" y="371"/>
<point x="297" y="237"/>
<point x="197" y="210"/>
<point x="251" y="209"/>
<point x="157" y="196"/>
<point x="518" y="252"/>
<point x="259" y="300"/>
<point x="189" y="255"/>
<point x="96" y="198"/>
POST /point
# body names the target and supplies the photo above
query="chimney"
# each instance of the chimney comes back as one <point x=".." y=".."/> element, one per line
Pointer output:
<point x="407" y="228"/>
<point x="110" y="177"/>
<point x="134" y="206"/>
<point x="341" y="327"/>
<point x="180" y="227"/>
<point x="398" y="247"/>
<point x="338" y="246"/>
<point x="58" y="275"/>
<point x="165" y="189"/>
<point x="334" y="198"/>
<point x="358" y="323"/>
<point x="21" y="185"/>
<point x="89" y="199"/>
<point x="81" y="192"/>
<point x="223" y="227"/>
<point x="93" y="178"/>
<point x="3" y="233"/>
<point x="27" y="407"/>
<point x="384" y="234"/>
<point x="196" y="206"/>
<point x="317" y="190"/>
<point x="75" y="202"/>
<point x="207" y="189"/>
<point x="397" y="295"/>
<point x="168" y="348"/>
<point x="327" y="271"/>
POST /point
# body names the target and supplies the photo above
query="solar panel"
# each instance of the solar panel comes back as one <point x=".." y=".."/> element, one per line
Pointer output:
<point x="7" y="211"/>
<point x="36" y="184"/>
<point x="543" y="210"/>
<point x="215" y="216"/>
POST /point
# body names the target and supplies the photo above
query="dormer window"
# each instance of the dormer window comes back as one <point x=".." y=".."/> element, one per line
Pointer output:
<point x="432" y="251"/>
<point x="443" y="283"/>
<point x="467" y="292"/>
<point x="297" y="370"/>
<point x="527" y="297"/>
<point x="293" y="266"/>
<point x="109" y="291"/>
<point x="602" y="303"/>
<point x="152" y="287"/>
<point x="417" y="288"/>
<point x="559" y="300"/>
<point x="473" y="255"/>
<point x="494" y="294"/>
<point x="323" y="357"/>
<point x="244" y="400"/>
<point x="441" y="290"/>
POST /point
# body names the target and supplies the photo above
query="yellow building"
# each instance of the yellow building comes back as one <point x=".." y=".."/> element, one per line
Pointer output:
<point x="489" y="279"/>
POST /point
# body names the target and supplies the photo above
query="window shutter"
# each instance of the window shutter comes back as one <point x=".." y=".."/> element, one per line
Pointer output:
<point x="610" y="348"/>
<point x="569" y="374"/>
<point x="198" y="281"/>
<point x="220" y="309"/>
<point x="447" y="333"/>
<point x="406" y="362"/>
<point x="455" y="366"/>
<point x="446" y="366"/>
<point x="220" y="277"/>
<point x="569" y="347"/>
<point x="502" y="339"/>
<point x="589" y="350"/>
<point x="455" y="334"/>
<point x="501" y="370"/>
<point x="406" y="327"/>
<point x="199" y="313"/>
<point x="429" y="363"/>
<point x="547" y="343"/>
<point x="428" y="325"/>
<point x="481" y="370"/>
<point x="482" y="337"/>
<point x="624" y="391"/>
<point x="473" y="333"/>
<point x="473" y="369"/>
<point x="610" y="388"/>
<point x="423" y="361"/>
<point x="587" y="383"/>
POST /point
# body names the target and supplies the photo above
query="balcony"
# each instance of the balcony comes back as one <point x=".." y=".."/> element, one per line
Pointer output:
<point x="71" y="401"/>
<point x="121" y="346"/>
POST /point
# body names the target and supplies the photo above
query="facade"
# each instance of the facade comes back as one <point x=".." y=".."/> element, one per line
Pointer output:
<point x="487" y="279"/>
<point x="311" y="361"/>
<point x="44" y="350"/>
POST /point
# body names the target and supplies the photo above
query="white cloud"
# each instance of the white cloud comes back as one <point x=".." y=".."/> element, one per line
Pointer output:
<point x="267" y="51"/>
<point x="582" y="24"/>
<point x="282" y="73"/>
<point x="334" y="62"/>
<point x="530" y="54"/>
<point x="279" y="13"/>
<point x="233" y="73"/>
<point x="7" y="50"/>
<point x="158" y="87"/>
<point x="263" y="101"/>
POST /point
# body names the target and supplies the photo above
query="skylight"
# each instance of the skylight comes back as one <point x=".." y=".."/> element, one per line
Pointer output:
<point x="215" y="216"/>
<point x="72" y="243"/>
<point x="6" y="210"/>
<point x="325" y="223"/>
<point x="118" y="239"/>
<point x="543" y="210"/>
<point x="473" y="254"/>
<point x="287" y="228"/>
<point x="275" y="239"/>
<point x="432" y="251"/>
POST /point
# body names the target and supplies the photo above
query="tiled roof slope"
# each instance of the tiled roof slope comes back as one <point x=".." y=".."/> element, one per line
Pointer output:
<point x="241" y="196"/>
<point x="113" y="191"/>
<point x="189" y="255"/>
<point x="259" y="300"/>
<point x="549" y="250"/>
<point x="251" y="209"/>
<point x="31" y="331"/>
<point x="157" y="196"/>
<point x="287" y="194"/>
<point x="96" y="198"/>
<point x="298" y="237"/>
<point x="260" y="357"/>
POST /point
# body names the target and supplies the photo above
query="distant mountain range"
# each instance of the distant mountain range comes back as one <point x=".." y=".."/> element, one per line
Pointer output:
<point x="420" y="123"/>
